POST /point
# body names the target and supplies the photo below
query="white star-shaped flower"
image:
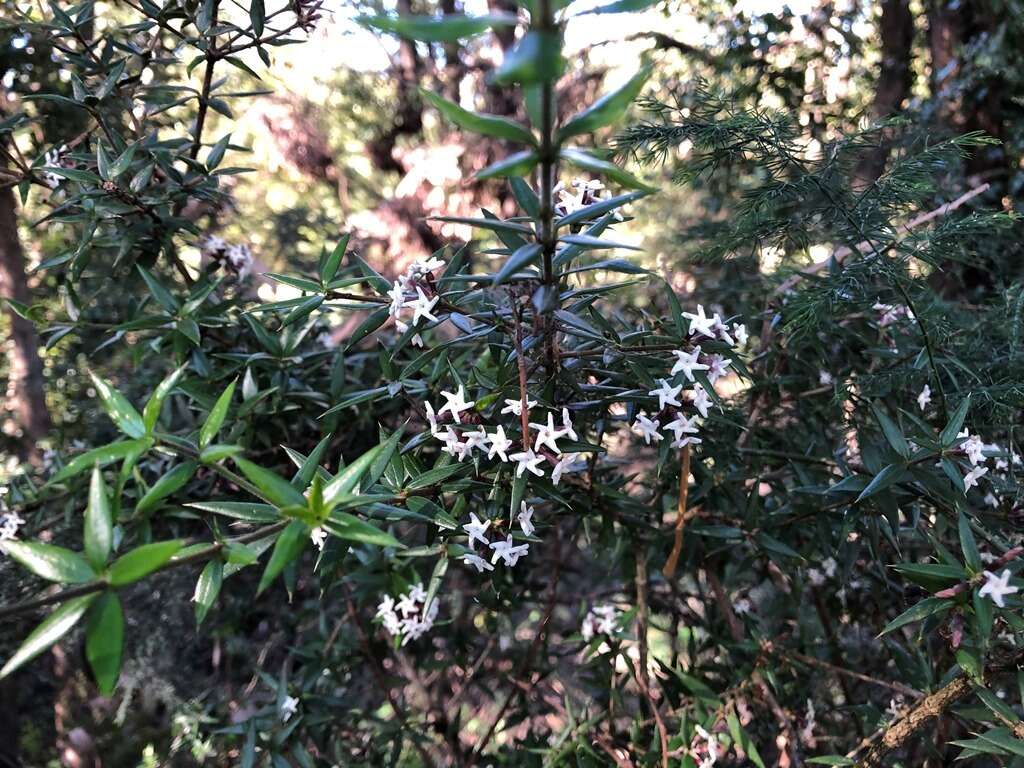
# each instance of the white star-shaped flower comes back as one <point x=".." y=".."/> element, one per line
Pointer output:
<point x="971" y="478"/>
<point x="722" y="329"/>
<point x="319" y="537"/>
<point x="476" y="529"/>
<point x="477" y="562"/>
<point x="547" y="434"/>
<point x="397" y="296"/>
<point x="687" y="362"/>
<point x="682" y="442"/>
<point x="741" y="606"/>
<point x="666" y="394"/>
<point x="455" y="404"/>
<point x="740" y="332"/>
<point x="499" y="444"/>
<point x="508" y="552"/>
<point x="648" y="428"/>
<point x="717" y="368"/>
<point x="701" y="401"/>
<point x="565" y="464"/>
<point x="421" y="306"/>
<point x="924" y="398"/>
<point x="418" y="593"/>
<point x="681" y="425"/>
<point x="289" y="707"/>
<point x="996" y="588"/>
<point x="478" y="438"/>
<point x="525" y="518"/>
<point x="973" y="446"/>
<point x="567" y="428"/>
<point x="528" y="460"/>
<point x="431" y="418"/>
<point x="700" y="323"/>
<point x="452" y="445"/>
<point x="407" y="606"/>
<point x="515" y="407"/>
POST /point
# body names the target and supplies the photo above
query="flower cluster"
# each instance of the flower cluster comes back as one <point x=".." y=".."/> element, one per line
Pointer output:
<point x="415" y="290"/>
<point x="238" y="258"/>
<point x="974" y="449"/>
<point x="502" y="549"/>
<point x="714" y="366"/>
<point x="579" y="194"/>
<point x="10" y="522"/>
<point x="497" y="443"/>
<point x="889" y="313"/>
<point x="707" y="752"/>
<point x="417" y="618"/>
<point x="601" y="619"/>
<point x="54" y="158"/>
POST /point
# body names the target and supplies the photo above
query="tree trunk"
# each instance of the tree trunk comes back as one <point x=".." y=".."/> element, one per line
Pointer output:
<point x="25" y="398"/>
<point x="892" y="87"/>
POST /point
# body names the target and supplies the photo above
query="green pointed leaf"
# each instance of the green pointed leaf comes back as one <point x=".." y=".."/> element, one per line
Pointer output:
<point x="214" y="421"/>
<point x="305" y="473"/>
<point x="104" y="641"/>
<point x="350" y="527"/>
<point x="118" y="408"/>
<point x="170" y="482"/>
<point x="346" y="481"/>
<point x="537" y="58"/>
<point x="889" y="475"/>
<point x="443" y="29"/>
<point x="516" y="164"/>
<point x="892" y="432"/>
<point x="598" y="209"/>
<point x="162" y="296"/>
<point x="922" y="610"/>
<point x="956" y="422"/>
<point x="151" y="412"/>
<point x="49" y="562"/>
<point x="484" y="124"/>
<point x="287" y="547"/>
<point x="522" y="258"/>
<point x="275" y="488"/>
<point x="99" y="524"/>
<point x="141" y="561"/>
<point x="329" y="268"/>
<point x="968" y="544"/>
<point x="207" y="588"/>
<point x="607" y="109"/>
<point x="103" y="455"/>
<point x="52" y="629"/>
<point x="609" y="170"/>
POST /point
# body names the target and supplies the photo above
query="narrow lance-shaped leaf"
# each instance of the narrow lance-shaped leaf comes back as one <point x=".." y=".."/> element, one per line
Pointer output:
<point x="118" y="408"/>
<point x="484" y="124"/>
<point x="522" y="258"/>
<point x="170" y="482"/>
<point x="141" y="561"/>
<point x="287" y="547"/>
<point x="956" y="421"/>
<point x="151" y="412"/>
<point x="104" y="640"/>
<point x="275" y="488"/>
<point x="52" y="629"/>
<point x="537" y="58"/>
<point x="346" y="481"/>
<point x="329" y="267"/>
<point x="607" y="109"/>
<point x="49" y="562"/>
<point x="443" y="29"/>
<point x="99" y="526"/>
<point x="207" y="588"/>
<point x="214" y="421"/>
<point x="605" y="168"/>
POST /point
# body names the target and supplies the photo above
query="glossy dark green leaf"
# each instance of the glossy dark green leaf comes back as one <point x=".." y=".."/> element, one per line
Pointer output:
<point x="214" y="421"/>
<point x="151" y="412"/>
<point x="516" y="164"/>
<point x="99" y="524"/>
<point x="207" y="588"/>
<point x="287" y="547"/>
<point x="968" y="544"/>
<point x="49" y="562"/>
<point x="275" y="488"/>
<point x="518" y="261"/>
<point x="607" y="109"/>
<point x="168" y="483"/>
<point x="329" y="268"/>
<point x="893" y="434"/>
<point x="487" y="125"/>
<point x="346" y="482"/>
<point x="922" y="610"/>
<point x="162" y="296"/>
<point x="104" y="640"/>
<point x="123" y="413"/>
<point x="52" y="629"/>
<point x="956" y="421"/>
<point x="889" y="475"/>
<point x="350" y="527"/>
<point x="103" y="455"/>
<point x="141" y="561"/>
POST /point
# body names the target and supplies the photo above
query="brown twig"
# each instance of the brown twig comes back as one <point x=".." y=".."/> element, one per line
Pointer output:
<point x="684" y="490"/>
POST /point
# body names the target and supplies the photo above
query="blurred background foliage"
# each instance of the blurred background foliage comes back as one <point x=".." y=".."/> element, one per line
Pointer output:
<point x="340" y="140"/>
